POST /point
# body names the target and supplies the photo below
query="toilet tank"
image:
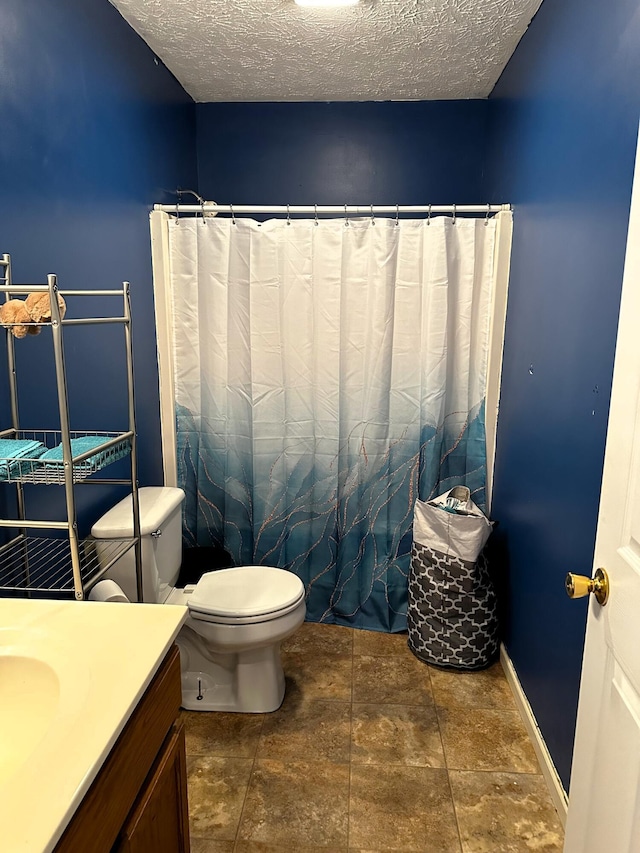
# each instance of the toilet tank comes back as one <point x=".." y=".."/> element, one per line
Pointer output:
<point x="161" y="535"/>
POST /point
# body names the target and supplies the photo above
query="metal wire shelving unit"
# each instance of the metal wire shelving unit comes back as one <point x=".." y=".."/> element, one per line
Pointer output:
<point x="61" y="565"/>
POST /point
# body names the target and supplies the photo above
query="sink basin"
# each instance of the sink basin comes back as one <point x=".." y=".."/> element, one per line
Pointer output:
<point x="39" y="687"/>
<point x="29" y="701"/>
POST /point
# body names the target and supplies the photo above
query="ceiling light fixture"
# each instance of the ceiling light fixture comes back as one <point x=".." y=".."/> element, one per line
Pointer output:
<point x="327" y="3"/>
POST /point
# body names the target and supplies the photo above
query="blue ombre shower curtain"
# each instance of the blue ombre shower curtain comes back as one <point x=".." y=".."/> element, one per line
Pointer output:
<point x="327" y="375"/>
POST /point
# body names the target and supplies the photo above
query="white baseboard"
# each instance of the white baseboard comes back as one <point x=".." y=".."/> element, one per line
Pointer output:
<point x="549" y="772"/>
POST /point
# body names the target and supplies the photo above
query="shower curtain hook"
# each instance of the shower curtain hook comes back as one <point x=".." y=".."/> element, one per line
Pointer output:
<point x="204" y="221"/>
<point x="288" y="217"/>
<point x="429" y="216"/>
<point x="179" y="195"/>
<point x="453" y="218"/>
<point x="315" y="213"/>
<point x="397" y="214"/>
<point x="233" y="217"/>
<point x="346" y="217"/>
<point x="486" y="219"/>
<point x="373" y="219"/>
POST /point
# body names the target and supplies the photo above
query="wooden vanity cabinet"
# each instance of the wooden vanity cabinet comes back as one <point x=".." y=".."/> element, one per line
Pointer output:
<point x="138" y="802"/>
<point x="159" y="821"/>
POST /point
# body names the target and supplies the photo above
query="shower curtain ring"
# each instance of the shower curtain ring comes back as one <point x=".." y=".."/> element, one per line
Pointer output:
<point x="373" y="219"/>
<point x="288" y="217"/>
<point x="204" y="221"/>
<point x="233" y="217"/>
<point x="453" y="218"/>
<point x="315" y="212"/>
<point x="429" y="216"/>
<point x="486" y="219"/>
<point x="346" y="217"/>
<point x="397" y="214"/>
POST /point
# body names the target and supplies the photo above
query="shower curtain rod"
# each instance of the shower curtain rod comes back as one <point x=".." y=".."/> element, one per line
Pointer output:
<point x="342" y="209"/>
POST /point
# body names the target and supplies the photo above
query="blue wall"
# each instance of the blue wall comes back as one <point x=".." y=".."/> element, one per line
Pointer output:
<point x="94" y="131"/>
<point x="355" y="153"/>
<point x="563" y="128"/>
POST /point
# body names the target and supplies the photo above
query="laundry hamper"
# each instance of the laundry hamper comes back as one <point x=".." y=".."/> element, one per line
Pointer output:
<point x="452" y="612"/>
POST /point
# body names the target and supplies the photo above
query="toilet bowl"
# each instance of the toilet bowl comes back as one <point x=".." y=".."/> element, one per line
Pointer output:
<point x="230" y="643"/>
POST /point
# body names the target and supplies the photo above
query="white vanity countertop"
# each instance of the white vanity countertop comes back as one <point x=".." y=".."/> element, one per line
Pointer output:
<point x="71" y="674"/>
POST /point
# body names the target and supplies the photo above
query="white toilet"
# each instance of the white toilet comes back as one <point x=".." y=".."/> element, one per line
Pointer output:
<point x="230" y="643"/>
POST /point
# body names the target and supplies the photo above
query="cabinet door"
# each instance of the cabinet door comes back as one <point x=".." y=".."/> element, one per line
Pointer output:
<point x="159" y="821"/>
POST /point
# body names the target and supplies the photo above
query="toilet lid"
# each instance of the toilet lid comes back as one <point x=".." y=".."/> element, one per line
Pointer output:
<point x="246" y="591"/>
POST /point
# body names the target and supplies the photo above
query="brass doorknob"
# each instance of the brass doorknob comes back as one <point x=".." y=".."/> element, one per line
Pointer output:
<point x="578" y="586"/>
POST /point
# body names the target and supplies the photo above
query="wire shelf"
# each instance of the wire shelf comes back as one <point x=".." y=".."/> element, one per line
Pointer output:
<point x="51" y="472"/>
<point x="48" y="567"/>
<point x="38" y="564"/>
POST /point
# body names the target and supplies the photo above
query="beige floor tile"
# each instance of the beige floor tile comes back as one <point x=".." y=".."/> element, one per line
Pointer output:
<point x="376" y="643"/>
<point x="317" y="677"/>
<point x="505" y="813"/>
<point x="300" y="797"/>
<point x="257" y="847"/>
<point x="477" y="739"/>
<point x="210" y="845"/>
<point x="485" y="689"/>
<point x="214" y="733"/>
<point x="317" y="639"/>
<point x="216" y="788"/>
<point x="396" y="734"/>
<point x="401" y="809"/>
<point x="390" y="680"/>
<point x="296" y="804"/>
<point x="315" y="731"/>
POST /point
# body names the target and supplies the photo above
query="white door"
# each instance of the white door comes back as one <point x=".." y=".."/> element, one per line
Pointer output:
<point x="604" y="797"/>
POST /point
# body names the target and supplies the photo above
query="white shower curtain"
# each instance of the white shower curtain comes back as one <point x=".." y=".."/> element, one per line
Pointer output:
<point x="326" y="375"/>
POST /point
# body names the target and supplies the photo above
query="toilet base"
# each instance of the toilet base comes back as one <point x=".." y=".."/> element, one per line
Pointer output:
<point x="249" y="682"/>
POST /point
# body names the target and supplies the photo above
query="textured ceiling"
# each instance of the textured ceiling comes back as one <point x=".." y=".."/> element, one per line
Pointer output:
<point x="274" y="50"/>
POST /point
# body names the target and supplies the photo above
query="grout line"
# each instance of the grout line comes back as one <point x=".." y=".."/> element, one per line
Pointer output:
<point x="435" y="708"/>
<point x="246" y="793"/>
<point x="455" y="810"/>
<point x="446" y="762"/>
<point x="503" y="772"/>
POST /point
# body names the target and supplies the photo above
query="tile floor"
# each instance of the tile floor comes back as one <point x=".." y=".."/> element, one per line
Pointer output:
<point x="371" y="751"/>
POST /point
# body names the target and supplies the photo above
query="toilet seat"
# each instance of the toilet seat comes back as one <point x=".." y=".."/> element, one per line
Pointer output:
<point x="246" y="594"/>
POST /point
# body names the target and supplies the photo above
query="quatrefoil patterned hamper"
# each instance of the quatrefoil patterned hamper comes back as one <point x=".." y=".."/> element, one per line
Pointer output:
<point x="452" y="612"/>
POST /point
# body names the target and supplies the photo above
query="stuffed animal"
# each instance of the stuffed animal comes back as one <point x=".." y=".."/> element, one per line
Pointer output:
<point x="39" y="307"/>
<point x="22" y="318"/>
<point x="14" y="315"/>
